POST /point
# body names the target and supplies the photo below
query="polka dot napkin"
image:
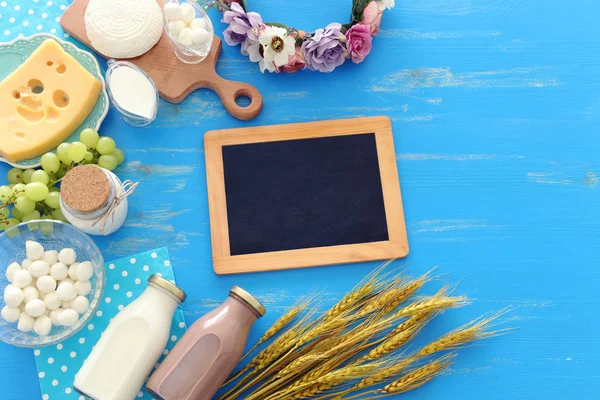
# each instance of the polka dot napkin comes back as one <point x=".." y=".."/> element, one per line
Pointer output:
<point x="126" y="279"/>
<point x="20" y="18"/>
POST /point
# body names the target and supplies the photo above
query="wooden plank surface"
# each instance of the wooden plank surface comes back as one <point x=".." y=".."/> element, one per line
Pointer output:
<point x="495" y="108"/>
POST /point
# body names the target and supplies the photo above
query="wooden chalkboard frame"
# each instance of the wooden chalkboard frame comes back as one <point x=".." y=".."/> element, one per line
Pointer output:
<point x="225" y="263"/>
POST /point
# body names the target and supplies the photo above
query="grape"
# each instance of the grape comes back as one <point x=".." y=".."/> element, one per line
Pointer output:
<point x="4" y="213"/>
<point x="40" y="176"/>
<point x="106" y="145"/>
<point x="62" y="153"/>
<point x="54" y="189"/>
<point x="50" y="163"/>
<point x="6" y="193"/>
<point x="9" y="223"/>
<point x="17" y="214"/>
<point x="36" y="191"/>
<point x="109" y="162"/>
<point x="58" y="214"/>
<point x="35" y="214"/>
<point x="47" y="227"/>
<point x="76" y="151"/>
<point x="53" y="199"/>
<point x="119" y="155"/>
<point x="88" y="156"/>
<point x="89" y="137"/>
<point x="27" y="175"/>
<point x="25" y="205"/>
<point x="19" y="190"/>
<point x="14" y="175"/>
<point x="62" y="171"/>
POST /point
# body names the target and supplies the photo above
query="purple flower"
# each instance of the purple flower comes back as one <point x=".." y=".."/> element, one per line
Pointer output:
<point x="326" y="49"/>
<point x="359" y="42"/>
<point x="242" y="25"/>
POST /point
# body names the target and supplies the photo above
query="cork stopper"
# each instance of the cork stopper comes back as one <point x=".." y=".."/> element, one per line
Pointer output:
<point x="85" y="188"/>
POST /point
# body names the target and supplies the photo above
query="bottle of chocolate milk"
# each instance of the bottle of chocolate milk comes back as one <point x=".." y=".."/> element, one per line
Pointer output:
<point x="205" y="356"/>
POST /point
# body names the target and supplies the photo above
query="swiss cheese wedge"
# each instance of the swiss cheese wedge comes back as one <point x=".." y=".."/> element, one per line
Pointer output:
<point x="43" y="102"/>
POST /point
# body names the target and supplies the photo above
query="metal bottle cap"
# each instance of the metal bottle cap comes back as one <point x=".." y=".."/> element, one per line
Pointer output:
<point x="248" y="298"/>
<point x="168" y="286"/>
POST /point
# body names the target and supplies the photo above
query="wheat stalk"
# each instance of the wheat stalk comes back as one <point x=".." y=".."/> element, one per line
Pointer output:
<point x="412" y="380"/>
<point x="391" y="344"/>
<point x="419" y="376"/>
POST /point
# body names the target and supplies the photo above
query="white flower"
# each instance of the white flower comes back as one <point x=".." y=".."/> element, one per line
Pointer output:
<point x="277" y="45"/>
<point x="251" y="48"/>
<point x="389" y="4"/>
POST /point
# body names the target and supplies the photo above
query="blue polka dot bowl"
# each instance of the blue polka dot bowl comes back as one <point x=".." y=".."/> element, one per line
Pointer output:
<point x="53" y="235"/>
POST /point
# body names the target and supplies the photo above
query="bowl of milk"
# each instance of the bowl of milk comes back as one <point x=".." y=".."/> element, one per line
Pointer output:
<point x="132" y="92"/>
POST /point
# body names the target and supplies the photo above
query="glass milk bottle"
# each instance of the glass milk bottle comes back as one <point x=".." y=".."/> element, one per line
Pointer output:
<point x="131" y="344"/>
<point x="208" y="352"/>
<point x="94" y="200"/>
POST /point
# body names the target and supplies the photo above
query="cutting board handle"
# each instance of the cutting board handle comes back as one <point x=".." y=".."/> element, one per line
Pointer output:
<point x="229" y="91"/>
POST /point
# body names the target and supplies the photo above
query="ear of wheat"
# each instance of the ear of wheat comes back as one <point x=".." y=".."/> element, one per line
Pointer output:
<point x="359" y="346"/>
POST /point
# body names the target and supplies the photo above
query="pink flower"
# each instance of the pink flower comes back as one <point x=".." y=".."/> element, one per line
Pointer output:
<point x="359" y="42"/>
<point x="295" y="62"/>
<point x="372" y="17"/>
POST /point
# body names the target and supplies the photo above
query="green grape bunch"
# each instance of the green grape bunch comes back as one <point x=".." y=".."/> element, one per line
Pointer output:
<point x="35" y="193"/>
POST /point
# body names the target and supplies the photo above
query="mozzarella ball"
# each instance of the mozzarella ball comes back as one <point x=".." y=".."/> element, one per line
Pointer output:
<point x="83" y="288"/>
<point x="198" y="23"/>
<point x="10" y="271"/>
<point x="185" y="37"/>
<point x="52" y="301"/>
<point x="188" y="13"/>
<point x="25" y="323"/>
<point x="39" y="268"/>
<point x="66" y="305"/>
<point x="10" y="314"/>
<point x="175" y="27"/>
<point x="34" y="250"/>
<point x="13" y="296"/>
<point x="47" y="312"/>
<point x="200" y="36"/>
<point x="51" y="257"/>
<point x="35" y="307"/>
<point x="42" y="325"/>
<point x="54" y="315"/>
<point x="31" y="293"/>
<point x="66" y="291"/>
<point x="68" y="317"/>
<point x="73" y="272"/>
<point x="172" y="11"/>
<point x="59" y="271"/>
<point x="46" y="284"/>
<point x="67" y="256"/>
<point x="22" y="278"/>
<point x="26" y="264"/>
<point x="84" y="271"/>
<point x="67" y="280"/>
<point x="80" y="304"/>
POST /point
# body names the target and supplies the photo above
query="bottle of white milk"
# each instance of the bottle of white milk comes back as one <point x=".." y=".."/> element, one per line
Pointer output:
<point x="131" y="345"/>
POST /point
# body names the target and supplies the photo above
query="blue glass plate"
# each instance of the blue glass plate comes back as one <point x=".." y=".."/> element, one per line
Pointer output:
<point x="14" y="53"/>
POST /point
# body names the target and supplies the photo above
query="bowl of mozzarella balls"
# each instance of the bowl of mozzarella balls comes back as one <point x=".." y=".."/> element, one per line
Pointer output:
<point x="189" y="28"/>
<point x="52" y="282"/>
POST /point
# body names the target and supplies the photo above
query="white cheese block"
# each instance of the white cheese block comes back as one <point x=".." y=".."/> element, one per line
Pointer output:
<point x="123" y="32"/>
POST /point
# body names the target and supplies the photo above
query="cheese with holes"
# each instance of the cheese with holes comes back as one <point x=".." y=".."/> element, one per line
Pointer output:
<point x="43" y="102"/>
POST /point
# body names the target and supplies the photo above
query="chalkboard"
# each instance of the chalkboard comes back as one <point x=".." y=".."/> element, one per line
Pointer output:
<point x="298" y="195"/>
<point x="303" y="193"/>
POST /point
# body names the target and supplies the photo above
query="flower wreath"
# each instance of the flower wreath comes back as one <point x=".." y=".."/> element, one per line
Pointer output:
<point x="278" y="48"/>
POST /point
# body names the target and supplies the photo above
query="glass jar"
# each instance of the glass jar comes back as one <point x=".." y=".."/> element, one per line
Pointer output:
<point x="94" y="199"/>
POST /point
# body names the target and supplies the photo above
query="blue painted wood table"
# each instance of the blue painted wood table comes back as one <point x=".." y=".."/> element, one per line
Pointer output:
<point x="495" y="110"/>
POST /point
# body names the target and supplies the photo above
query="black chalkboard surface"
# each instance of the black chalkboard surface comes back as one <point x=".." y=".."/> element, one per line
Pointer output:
<point x="303" y="193"/>
<point x="299" y="195"/>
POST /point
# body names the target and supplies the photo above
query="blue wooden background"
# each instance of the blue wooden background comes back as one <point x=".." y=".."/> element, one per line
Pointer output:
<point x="495" y="108"/>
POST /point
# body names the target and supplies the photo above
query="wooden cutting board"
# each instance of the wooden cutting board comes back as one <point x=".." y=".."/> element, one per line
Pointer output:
<point x="173" y="78"/>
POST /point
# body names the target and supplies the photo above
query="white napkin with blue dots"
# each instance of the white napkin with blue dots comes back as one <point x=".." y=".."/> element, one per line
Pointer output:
<point x="126" y="279"/>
